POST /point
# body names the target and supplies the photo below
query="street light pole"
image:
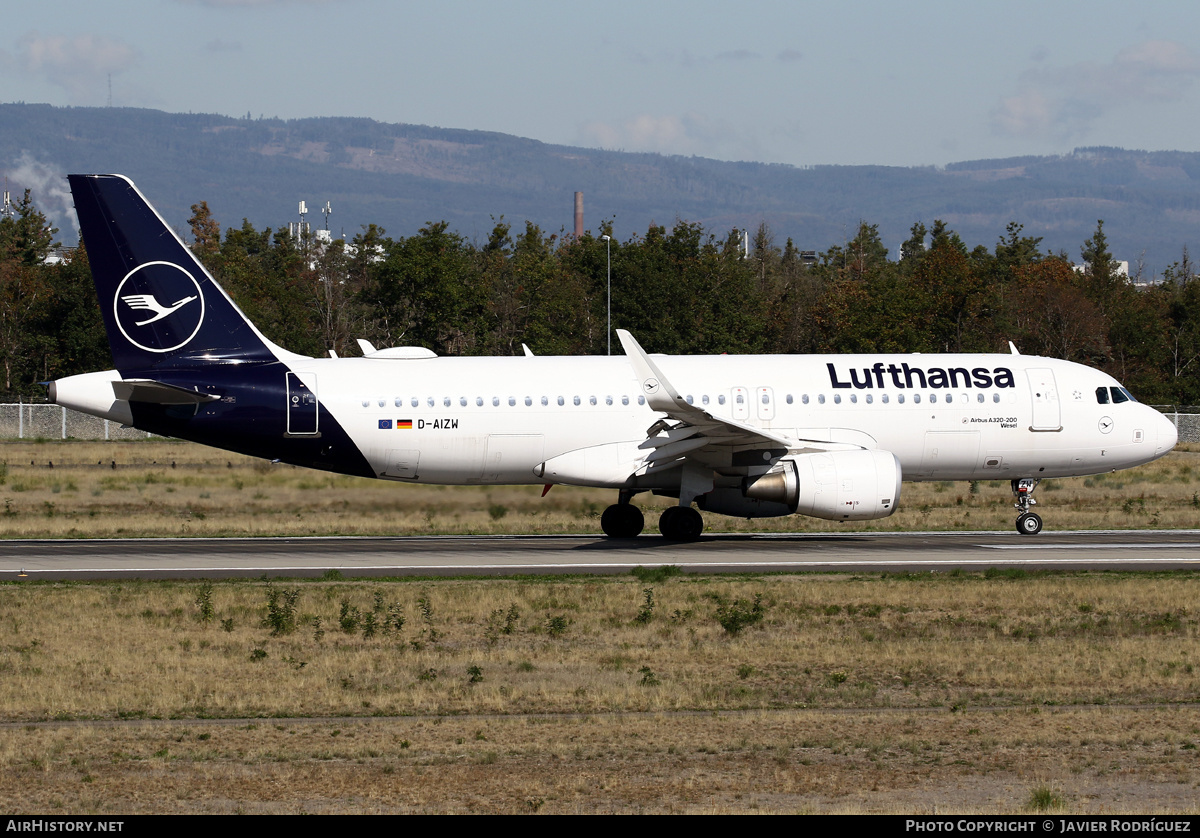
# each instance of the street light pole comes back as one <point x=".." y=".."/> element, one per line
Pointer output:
<point x="608" y="242"/>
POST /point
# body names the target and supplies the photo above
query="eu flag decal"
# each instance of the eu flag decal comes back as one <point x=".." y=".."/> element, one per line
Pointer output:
<point x="385" y="424"/>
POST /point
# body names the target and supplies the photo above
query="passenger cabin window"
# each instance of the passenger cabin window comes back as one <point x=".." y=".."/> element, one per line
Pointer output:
<point x="720" y="399"/>
<point x="789" y="398"/>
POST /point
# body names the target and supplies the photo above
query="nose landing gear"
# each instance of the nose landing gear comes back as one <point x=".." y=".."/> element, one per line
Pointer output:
<point x="1028" y="523"/>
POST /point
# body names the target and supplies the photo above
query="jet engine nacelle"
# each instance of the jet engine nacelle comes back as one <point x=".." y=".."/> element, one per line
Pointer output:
<point x="835" y="485"/>
<point x="733" y="502"/>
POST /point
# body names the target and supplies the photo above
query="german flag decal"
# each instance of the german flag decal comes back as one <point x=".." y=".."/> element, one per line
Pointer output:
<point x="404" y="424"/>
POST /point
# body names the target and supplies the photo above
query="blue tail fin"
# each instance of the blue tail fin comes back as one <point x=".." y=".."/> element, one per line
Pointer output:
<point x="161" y="308"/>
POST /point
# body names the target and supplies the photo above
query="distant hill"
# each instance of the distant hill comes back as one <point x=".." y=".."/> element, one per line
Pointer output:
<point x="402" y="176"/>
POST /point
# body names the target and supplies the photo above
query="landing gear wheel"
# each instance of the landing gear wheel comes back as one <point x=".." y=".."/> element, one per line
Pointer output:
<point x="622" y="520"/>
<point x="1030" y="523"/>
<point x="681" y="523"/>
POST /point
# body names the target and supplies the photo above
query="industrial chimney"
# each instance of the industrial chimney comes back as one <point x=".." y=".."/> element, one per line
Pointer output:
<point x="578" y="215"/>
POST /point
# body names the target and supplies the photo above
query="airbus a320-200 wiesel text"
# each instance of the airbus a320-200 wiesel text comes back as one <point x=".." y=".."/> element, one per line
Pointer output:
<point x="748" y="436"/>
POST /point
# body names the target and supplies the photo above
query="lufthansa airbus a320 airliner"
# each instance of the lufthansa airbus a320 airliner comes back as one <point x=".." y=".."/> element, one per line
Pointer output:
<point x="830" y="436"/>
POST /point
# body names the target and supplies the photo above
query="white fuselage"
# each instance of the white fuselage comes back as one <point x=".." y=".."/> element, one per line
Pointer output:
<point x="945" y="417"/>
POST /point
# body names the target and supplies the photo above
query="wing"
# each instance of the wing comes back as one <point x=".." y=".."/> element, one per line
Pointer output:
<point x="690" y="435"/>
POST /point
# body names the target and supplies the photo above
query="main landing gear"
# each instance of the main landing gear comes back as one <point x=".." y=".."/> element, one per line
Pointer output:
<point x="624" y="520"/>
<point x="681" y="523"/>
<point x="1028" y="523"/>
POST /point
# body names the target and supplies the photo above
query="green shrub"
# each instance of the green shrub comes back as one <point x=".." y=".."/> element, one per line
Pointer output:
<point x="349" y="617"/>
<point x="204" y="603"/>
<point x="1043" y="798"/>
<point x="646" y="614"/>
<point x="739" y="614"/>
<point x="281" y="610"/>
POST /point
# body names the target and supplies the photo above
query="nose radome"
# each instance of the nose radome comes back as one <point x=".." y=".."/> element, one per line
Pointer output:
<point x="1168" y="434"/>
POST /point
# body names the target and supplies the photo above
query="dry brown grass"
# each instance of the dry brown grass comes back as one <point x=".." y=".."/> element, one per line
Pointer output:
<point x="136" y="650"/>
<point x="179" y="489"/>
<point x="939" y="693"/>
<point x="948" y="693"/>
<point x="1097" y="760"/>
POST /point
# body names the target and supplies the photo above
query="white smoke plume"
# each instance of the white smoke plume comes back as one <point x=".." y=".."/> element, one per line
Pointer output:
<point x="48" y="189"/>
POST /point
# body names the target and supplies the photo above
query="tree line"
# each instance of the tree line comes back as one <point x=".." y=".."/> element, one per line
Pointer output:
<point x="680" y="291"/>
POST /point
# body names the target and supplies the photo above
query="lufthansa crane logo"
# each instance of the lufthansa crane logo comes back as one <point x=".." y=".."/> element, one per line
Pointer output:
<point x="651" y="386"/>
<point x="159" y="307"/>
<point x="147" y="302"/>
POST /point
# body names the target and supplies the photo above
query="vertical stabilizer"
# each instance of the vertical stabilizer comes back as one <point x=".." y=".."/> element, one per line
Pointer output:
<point x="161" y="308"/>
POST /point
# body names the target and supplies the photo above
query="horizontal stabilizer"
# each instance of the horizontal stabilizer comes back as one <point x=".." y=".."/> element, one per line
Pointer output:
<point x="155" y="392"/>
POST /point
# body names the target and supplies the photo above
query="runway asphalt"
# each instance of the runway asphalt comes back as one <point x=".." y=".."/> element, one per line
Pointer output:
<point x="194" y="558"/>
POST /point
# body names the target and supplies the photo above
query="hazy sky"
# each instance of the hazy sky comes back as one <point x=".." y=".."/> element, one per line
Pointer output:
<point x="893" y="83"/>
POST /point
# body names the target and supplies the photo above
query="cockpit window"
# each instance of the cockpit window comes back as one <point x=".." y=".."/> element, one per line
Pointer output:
<point x="1119" y="395"/>
<point x="1102" y="395"/>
